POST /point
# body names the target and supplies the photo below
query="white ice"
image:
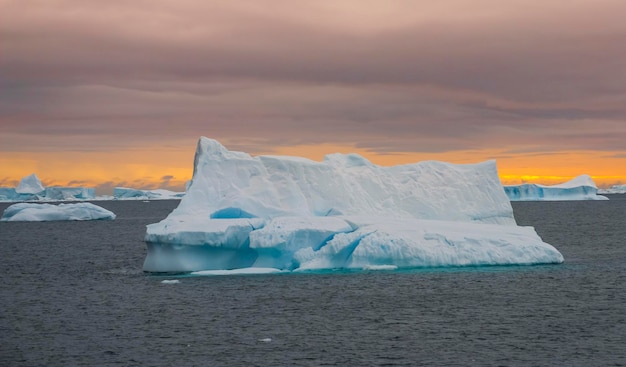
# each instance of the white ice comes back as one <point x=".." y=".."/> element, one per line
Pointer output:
<point x="242" y="271"/>
<point x="35" y="212"/>
<point x="30" y="185"/>
<point x="125" y="193"/>
<point x="61" y="193"/>
<point x="579" y="188"/>
<point x="291" y="213"/>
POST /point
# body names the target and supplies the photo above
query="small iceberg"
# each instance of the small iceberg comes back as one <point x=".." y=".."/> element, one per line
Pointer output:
<point x="126" y="193"/>
<point x="578" y="188"/>
<point x="242" y="271"/>
<point x="615" y="189"/>
<point x="34" y="212"/>
<point x="30" y="188"/>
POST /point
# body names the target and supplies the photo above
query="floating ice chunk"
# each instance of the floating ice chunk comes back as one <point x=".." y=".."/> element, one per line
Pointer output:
<point x="578" y="188"/>
<point x="241" y="271"/>
<point x="380" y="267"/>
<point x="170" y="281"/>
<point x="265" y="340"/>
<point x="48" y="212"/>
<point x="291" y="213"/>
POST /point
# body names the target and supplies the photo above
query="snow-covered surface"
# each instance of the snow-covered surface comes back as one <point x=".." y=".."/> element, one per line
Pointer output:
<point x="615" y="189"/>
<point x="579" y="188"/>
<point x="125" y="193"/>
<point x="291" y="213"/>
<point x="35" y="212"/>
<point x="30" y="188"/>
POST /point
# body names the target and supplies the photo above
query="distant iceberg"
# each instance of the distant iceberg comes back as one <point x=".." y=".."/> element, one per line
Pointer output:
<point x="30" y="188"/>
<point x="30" y="185"/>
<point x="294" y="214"/>
<point x="35" y="212"/>
<point x="125" y="193"/>
<point x="8" y="194"/>
<point x="69" y="193"/>
<point x="579" y="188"/>
<point x="615" y="189"/>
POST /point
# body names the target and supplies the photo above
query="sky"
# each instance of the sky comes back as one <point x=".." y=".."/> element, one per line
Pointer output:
<point x="116" y="93"/>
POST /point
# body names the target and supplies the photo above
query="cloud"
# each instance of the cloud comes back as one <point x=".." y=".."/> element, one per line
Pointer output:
<point x="399" y="76"/>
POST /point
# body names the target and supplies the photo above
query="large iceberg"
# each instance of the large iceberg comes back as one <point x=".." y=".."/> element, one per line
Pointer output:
<point x="125" y="193"/>
<point x="291" y="213"/>
<point x="34" y="212"/>
<point x="578" y="188"/>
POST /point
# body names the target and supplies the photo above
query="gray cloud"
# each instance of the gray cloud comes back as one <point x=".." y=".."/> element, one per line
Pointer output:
<point x="391" y="78"/>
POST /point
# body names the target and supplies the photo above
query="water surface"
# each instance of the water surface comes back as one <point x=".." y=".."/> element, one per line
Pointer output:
<point x="73" y="294"/>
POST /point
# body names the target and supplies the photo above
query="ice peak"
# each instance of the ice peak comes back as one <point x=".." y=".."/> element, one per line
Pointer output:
<point x="30" y="185"/>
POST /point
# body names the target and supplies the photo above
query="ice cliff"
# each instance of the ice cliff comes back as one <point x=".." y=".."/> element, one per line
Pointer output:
<point x="292" y="213"/>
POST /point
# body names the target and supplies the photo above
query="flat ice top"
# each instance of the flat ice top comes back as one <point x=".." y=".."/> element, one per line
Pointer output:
<point x="582" y="180"/>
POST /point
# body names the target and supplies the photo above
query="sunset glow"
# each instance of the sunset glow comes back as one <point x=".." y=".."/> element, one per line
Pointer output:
<point x="150" y="169"/>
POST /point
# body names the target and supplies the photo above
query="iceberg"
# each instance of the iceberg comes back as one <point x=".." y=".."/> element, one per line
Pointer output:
<point x="125" y="193"/>
<point x="30" y="188"/>
<point x="69" y="193"/>
<point x="578" y="188"/>
<point x="8" y="194"/>
<point x="294" y="214"/>
<point x="34" y="212"/>
<point x="615" y="189"/>
<point x="30" y="185"/>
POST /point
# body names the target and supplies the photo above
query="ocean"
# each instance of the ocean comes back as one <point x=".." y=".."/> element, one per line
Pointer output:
<point x="74" y="294"/>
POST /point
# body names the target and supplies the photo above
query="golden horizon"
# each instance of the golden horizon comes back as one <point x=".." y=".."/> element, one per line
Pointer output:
<point x="147" y="169"/>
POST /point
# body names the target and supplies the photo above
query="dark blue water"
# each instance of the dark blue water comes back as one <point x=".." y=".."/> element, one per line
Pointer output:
<point x="73" y="294"/>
